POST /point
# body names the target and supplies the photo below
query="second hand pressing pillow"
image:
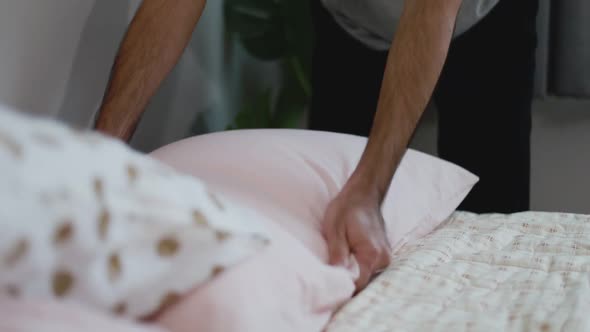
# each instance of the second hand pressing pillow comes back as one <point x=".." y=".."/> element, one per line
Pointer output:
<point x="290" y="176"/>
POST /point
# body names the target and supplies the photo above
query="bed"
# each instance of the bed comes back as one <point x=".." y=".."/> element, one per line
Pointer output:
<point x="521" y="272"/>
<point x="528" y="271"/>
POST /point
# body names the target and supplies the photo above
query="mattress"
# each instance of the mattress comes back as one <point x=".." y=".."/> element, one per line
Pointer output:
<point x="521" y="272"/>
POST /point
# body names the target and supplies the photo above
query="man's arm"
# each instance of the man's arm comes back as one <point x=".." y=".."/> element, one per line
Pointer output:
<point x="354" y="223"/>
<point x="152" y="46"/>
<point x="414" y="64"/>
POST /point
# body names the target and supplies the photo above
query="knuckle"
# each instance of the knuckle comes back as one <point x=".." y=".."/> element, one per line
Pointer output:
<point x="385" y="261"/>
<point x="373" y="251"/>
<point x="384" y="257"/>
<point x="387" y="256"/>
<point x="374" y="262"/>
<point x="375" y="244"/>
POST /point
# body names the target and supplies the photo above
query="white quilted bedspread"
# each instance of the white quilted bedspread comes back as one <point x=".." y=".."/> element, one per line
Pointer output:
<point x="522" y="272"/>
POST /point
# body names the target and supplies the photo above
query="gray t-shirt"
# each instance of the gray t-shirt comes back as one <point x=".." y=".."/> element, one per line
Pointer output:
<point x="373" y="22"/>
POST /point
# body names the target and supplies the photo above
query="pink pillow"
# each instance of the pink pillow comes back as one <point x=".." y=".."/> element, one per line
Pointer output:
<point x="290" y="176"/>
<point x="54" y="316"/>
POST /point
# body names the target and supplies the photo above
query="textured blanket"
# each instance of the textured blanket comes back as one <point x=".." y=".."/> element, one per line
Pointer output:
<point x="522" y="272"/>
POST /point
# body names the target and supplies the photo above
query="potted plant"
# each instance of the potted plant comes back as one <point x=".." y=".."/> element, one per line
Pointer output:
<point x="279" y="31"/>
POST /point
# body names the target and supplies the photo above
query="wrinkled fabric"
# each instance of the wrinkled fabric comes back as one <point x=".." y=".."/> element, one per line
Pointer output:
<point x="521" y="272"/>
<point x="373" y="22"/>
<point x="290" y="176"/>
<point x="51" y="316"/>
<point x="85" y="219"/>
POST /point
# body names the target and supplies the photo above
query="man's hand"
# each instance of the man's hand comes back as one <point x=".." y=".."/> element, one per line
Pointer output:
<point x="354" y="225"/>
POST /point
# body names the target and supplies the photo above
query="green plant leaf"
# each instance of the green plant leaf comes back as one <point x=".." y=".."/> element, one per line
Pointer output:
<point x="259" y="25"/>
<point x="292" y="99"/>
<point x="288" y="118"/>
<point x="275" y="30"/>
<point x="296" y="16"/>
<point x="255" y="114"/>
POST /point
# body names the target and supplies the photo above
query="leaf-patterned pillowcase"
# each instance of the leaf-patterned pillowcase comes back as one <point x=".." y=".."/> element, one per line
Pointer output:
<point x="85" y="218"/>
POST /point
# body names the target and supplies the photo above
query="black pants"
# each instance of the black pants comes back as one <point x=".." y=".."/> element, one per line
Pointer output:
<point x="483" y="97"/>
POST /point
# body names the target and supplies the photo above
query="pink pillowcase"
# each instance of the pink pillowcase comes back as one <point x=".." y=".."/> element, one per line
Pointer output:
<point x="57" y="316"/>
<point x="290" y="176"/>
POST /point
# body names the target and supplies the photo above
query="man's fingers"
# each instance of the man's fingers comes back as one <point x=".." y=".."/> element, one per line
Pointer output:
<point x="366" y="271"/>
<point x="384" y="257"/>
<point x="339" y="253"/>
<point x="373" y="259"/>
<point x="385" y="260"/>
<point x="368" y="258"/>
<point x="337" y="247"/>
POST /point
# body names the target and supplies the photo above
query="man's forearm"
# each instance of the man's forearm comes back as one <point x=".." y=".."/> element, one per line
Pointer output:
<point x="152" y="46"/>
<point x="414" y="64"/>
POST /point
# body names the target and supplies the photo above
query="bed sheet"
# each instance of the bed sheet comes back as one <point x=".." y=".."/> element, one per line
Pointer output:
<point x="522" y="272"/>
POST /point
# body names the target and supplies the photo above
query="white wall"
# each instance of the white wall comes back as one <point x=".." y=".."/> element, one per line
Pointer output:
<point x="56" y="56"/>
<point x="101" y="33"/>
<point x="560" y="170"/>
<point x="205" y="80"/>
<point x="38" y="41"/>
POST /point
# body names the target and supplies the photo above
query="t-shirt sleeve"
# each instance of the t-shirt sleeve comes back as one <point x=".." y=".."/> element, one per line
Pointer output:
<point x="373" y="22"/>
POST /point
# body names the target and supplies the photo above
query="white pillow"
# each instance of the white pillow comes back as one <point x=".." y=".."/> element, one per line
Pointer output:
<point x="85" y="218"/>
